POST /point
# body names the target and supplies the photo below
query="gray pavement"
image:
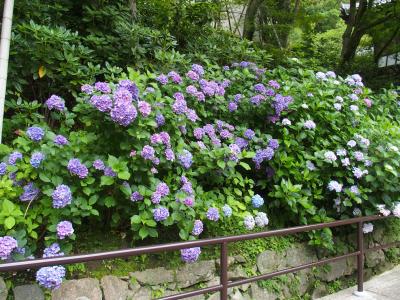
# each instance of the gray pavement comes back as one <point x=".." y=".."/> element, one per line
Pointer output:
<point x="385" y="286"/>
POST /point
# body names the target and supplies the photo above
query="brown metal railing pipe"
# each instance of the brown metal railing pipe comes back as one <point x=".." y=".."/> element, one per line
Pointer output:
<point x="224" y="271"/>
<point x="193" y="293"/>
<point x="360" y="258"/>
<point x="37" y="263"/>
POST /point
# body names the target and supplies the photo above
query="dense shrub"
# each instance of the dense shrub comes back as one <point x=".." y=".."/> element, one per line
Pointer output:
<point x="186" y="153"/>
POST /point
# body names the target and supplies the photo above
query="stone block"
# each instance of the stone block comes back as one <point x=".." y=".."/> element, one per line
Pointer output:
<point x="28" y="291"/>
<point x="73" y="289"/>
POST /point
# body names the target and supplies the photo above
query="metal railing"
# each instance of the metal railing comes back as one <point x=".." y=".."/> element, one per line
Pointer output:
<point x="223" y="242"/>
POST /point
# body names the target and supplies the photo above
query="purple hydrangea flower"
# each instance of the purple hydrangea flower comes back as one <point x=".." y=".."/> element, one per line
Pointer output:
<point x="273" y="143"/>
<point x="179" y="107"/>
<point x="62" y="196"/>
<point x="330" y="156"/>
<point x="163" y="189"/>
<point x="122" y="95"/>
<point x="190" y="255"/>
<point x="35" y="133"/>
<point x="359" y="156"/>
<point x="103" y="87"/>
<point x="31" y="192"/>
<point x="87" y="89"/>
<point x="274" y="84"/>
<point x="36" y="159"/>
<point x="12" y="159"/>
<point x="160" y="214"/>
<point x="55" y="102"/>
<point x="136" y="196"/>
<point x="185" y="159"/>
<point x="144" y="108"/>
<point x="60" y="140"/>
<point x="169" y="154"/>
<point x="249" y="134"/>
<point x="64" y="229"/>
<point x="237" y="98"/>
<point x="198" y="69"/>
<point x="260" y="88"/>
<point x="310" y="165"/>
<point x="345" y="162"/>
<point x="109" y="172"/>
<point x="189" y="201"/>
<point x="103" y="103"/>
<point x="132" y="88"/>
<point x="98" y="164"/>
<point x="175" y="77"/>
<point x="163" y="79"/>
<point x="225" y="134"/>
<point x="212" y="214"/>
<point x="148" y="152"/>
<point x="200" y="96"/>
<point x="193" y="75"/>
<point x="50" y="277"/>
<point x="75" y="167"/>
<point x="257" y="99"/>
<point x="263" y="154"/>
<point x="232" y="106"/>
<point x="198" y="133"/>
<point x="192" y="115"/>
<point x="182" y="129"/>
<point x="354" y="189"/>
<point x="7" y="245"/>
<point x="123" y="113"/>
<point x="3" y="168"/>
<point x="241" y="142"/>
<point x="358" y="173"/>
<point x="351" y="143"/>
<point x="197" y="227"/>
<point x="52" y="251"/>
<point x="280" y="103"/>
<point x="160" y="120"/>
<point x="227" y="210"/>
<point x="191" y="90"/>
<point x="341" y="152"/>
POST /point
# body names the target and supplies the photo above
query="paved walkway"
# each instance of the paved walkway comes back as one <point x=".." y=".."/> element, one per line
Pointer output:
<point x="382" y="287"/>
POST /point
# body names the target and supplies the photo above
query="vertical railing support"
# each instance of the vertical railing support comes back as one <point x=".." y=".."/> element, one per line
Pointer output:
<point x="224" y="271"/>
<point x="360" y="258"/>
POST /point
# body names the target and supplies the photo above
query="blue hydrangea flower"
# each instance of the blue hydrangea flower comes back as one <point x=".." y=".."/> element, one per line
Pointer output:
<point x="60" y="140"/>
<point x="227" y="210"/>
<point x="7" y="245"/>
<point x="55" y="102"/>
<point x="3" y="168"/>
<point x="197" y="227"/>
<point x="257" y="201"/>
<point x="64" y="229"/>
<point x="190" y="255"/>
<point x="160" y="214"/>
<point x="77" y="168"/>
<point x="35" y="133"/>
<point x="30" y="192"/>
<point x="62" y="196"/>
<point x="185" y="159"/>
<point x="212" y="214"/>
<point x="36" y="159"/>
<point x="50" y="277"/>
<point x="52" y="251"/>
<point x="12" y="159"/>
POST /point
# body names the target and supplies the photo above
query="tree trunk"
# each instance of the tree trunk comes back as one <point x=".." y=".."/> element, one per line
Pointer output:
<point x="133" y="8"/>
<point x="250" y="19"/>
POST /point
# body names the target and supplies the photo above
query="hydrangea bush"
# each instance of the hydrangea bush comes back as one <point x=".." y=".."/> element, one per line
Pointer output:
<point x="234" y="144"/>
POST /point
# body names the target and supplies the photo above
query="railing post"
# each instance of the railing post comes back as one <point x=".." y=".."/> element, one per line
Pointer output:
<point x="360" y="258"/>
<point x="224" y="271"/>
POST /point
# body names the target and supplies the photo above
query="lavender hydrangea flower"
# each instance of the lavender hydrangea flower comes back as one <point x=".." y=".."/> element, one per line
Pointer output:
<point x="337" y="106"/>
<point x="162" y="79"/>
<point x="200" y="96"/>
<point x="212" y="214"/>
<point x="87" y="89"/>
<point x="3" y="168"/>
<point x="232" y="106"/>
<point x="193" y="75"/>
<point x="197" y="228"/>
<point x="189" y="201"/>
<point x="53" y="250"/>
<point x="359" y="156"/>
<point x="354" y="189"/>
<point x="50" y="277"/>
<point x="36" y="159"/>
<point x="260" y="88"/>
<point x="198" y="69"/>
<point x="274" y="84"/>
<point x="257" y="99"/>
<point x="7" y="245"/>
<point x="191" y="90"/>
<point x="358" y="173"/>
<point x="320" y="76"/>
<point x="345" y="162"/>
<point x="103" y="103"/>
<point x="160" y="120"/>
<point x="60" y="140"/>
<point x="368" y="227"/>
<point x="98" y="164"/>
<point x="249" y="134"/>
<point x="249" y="222"/>
<point x="190" y="255"/>
<point x="341" y="152"/>
<point x="55" y="102"/>
<point x="103" y="87"/>
<point x="273" y="143"/>
<point x="35" y="133"/>
<point x="263" y="154"/>
<point x="309" y="125"/>
<point x="109" y="172"/>
<point x="351" y="143"/>
<point x="12" y="159"/>
<point x="330" y="74"/>
<point x="132" y="88"/>
<point x="353" y="97"/>
<point x="160" y="214"/>
<point x="75" y="167"/>
<point x="335" y="186"/>
<point x="31" y="192"/>
<point x="185" y="159"/>
<point x="123" y="113"/>
<point x="261" y="219"/>
<point x="192" y="115"/>
<point x="148" y="152"/>
<point x="198" y="133"/>
<point x="163" y="189"/>
<point x="169" y="154"/>
<point x="144" y="108"/>
<point x="136" y="196"/>
<point x="64" y="229"/>
<point x="353" y="107"/>
<point x="179" y="106"/>
<point x="242" y="143"/>
<point x="62" y="196"/>
<point x="227" y="210"/>
<point x="175" y="77"/>
<point x="330" y="156"/>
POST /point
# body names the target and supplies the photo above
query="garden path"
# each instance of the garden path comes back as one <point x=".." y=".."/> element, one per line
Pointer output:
<point x="382" y="287"/>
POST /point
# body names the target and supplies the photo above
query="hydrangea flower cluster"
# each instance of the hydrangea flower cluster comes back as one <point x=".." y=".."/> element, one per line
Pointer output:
<point x="50" y="277"/>
<point x="162" y="190"/>
<point x="12" y="159"/>
<point x="64" y="229"/>
<point x="60" y="140"/>
<point x="36" y="159"/>
<point x="212" y="214"/>
<point x="368" y="227"/>
<point x="62" y="196"/>
<point x="136" y="196"/>
<point x="160" y="214"/>
<point x="227" y="210"/>
<point x="31" y="192"/>
<point x="185" y="159"/>
<point x="52" y="251"/>
<point x="75" y="167"/>
<point x="3" y="168"/>
<point x="197" y="227"/>
<point x="55" y="102"/>
<point x="190" y="255"/>
<point x="262" y="155"/>
<point x="7" y="245"/>
<point x="261" y="219"/>
<point x="249" y="222"/>
<point x="98" y="164"/>
<point x="35" y="133"/>
<point x="257" y="201"/>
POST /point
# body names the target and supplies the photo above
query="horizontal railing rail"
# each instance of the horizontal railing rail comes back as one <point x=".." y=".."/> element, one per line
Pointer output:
<point x="223" y="243"/>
